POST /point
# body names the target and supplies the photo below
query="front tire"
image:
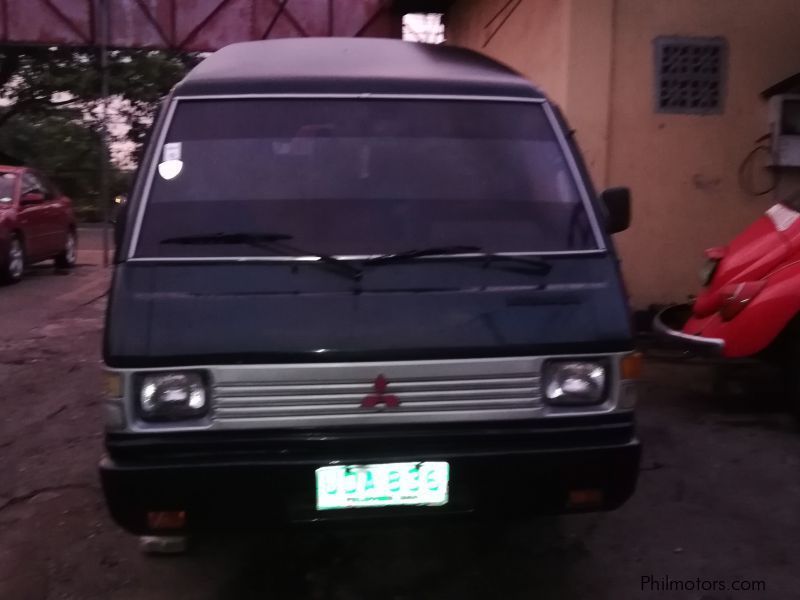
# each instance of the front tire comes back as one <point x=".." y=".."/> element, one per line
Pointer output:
<point x="69" y="255"/>
<point x="13" y="266"/>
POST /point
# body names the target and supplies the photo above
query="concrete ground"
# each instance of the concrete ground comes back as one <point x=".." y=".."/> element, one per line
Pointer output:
<point x="717" y="500"/>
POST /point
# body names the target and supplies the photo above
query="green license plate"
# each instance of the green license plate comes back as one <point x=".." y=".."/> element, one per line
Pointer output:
<point x="392" y="484"/>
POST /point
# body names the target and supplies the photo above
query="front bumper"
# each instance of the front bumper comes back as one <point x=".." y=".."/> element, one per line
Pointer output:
<point x="668" y="325"/>
<point x="241" y="480"/>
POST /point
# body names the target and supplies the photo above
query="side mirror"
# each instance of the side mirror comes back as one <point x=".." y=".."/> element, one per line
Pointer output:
<point x="32" y="197"/>
<point x="617" y="202"/>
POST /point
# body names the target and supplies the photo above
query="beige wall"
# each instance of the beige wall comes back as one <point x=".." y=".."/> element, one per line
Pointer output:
<point x="589" y="72"/>
<point x="531" y="39"/>
<point x="563" y="46"/>
<point x="683" y="168"/>
<point x="595" y="58"/>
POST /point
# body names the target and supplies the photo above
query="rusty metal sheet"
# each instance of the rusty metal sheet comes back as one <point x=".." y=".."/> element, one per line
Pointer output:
<point x="191" y="25"/>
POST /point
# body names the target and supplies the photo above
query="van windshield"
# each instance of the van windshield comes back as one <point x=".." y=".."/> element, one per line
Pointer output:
<point x="362" y="177"/>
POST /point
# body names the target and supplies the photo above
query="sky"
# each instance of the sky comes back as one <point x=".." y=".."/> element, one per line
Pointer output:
<point x="423" y="27"/>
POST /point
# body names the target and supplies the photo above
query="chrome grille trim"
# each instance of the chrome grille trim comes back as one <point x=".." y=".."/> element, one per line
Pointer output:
<point x="319" y="394"/>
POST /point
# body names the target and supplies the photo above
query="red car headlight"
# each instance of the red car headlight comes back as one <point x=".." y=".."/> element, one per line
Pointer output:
<point x="713" y="258"/>
<point x="736" y="296"/>
<point x="707" y="271"/>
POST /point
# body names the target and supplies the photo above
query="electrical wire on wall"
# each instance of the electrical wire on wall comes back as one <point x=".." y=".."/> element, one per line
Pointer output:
<point x="751" y="165"/>
<point x="493" y="25"/>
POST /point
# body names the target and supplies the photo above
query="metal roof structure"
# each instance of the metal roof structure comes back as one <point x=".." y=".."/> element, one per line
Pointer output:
<point x="196" y="25"/>
<point x="193" y="26"/>
<point x="351" y="66"/>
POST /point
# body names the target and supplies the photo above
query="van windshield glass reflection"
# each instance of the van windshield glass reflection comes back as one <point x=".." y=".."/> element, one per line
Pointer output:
<point x="364" y="177"/>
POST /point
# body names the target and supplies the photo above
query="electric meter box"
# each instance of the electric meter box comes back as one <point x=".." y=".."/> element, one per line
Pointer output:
<point x="785" y="124"/>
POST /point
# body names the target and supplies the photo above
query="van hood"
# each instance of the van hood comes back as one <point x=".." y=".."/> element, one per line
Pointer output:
<point x="220" y="313"/>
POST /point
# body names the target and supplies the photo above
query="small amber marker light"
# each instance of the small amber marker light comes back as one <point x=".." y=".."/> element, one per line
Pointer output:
<point x="585" y="498"/>
<point x="113" y="384"/>
<point x="632" y="366"/>
<point x="166" y="519"/>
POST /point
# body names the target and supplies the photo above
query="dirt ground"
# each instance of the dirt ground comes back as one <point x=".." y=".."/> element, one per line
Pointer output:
<point x="718" y="499"/>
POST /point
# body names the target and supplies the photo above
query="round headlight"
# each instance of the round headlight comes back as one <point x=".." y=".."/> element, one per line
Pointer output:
<point x="570" y="383"/>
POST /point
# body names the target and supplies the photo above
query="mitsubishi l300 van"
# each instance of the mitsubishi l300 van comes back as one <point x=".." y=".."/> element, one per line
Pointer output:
<point x="364" y="278"/>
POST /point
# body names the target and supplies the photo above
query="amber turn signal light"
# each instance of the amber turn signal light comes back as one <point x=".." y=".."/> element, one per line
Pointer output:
<point x="113" y="384"/>
<point x="631" y="367"/>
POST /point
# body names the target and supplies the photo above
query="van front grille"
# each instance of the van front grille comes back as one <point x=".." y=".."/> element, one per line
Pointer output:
<point x="282" y="397"/>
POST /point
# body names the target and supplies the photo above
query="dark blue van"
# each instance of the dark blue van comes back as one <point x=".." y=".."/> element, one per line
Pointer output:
<point x="364" y="278"/>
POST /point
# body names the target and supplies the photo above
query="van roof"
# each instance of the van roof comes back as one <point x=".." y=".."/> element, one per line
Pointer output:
<point x="351" y="66"/>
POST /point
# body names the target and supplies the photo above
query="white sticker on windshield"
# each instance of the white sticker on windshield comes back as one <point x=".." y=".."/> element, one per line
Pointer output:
<point x="782" y="216"/>
<point x="171" y="164"/>
<point x="172" y="151"/>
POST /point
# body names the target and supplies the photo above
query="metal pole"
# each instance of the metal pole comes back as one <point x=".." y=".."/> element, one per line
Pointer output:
<point x="103" y="16"/>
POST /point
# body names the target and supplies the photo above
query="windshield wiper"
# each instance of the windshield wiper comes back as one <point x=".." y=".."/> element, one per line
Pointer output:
<point x="532" y="264"/>
<point x="419" y="253"/>
<point x="268" y="241"/>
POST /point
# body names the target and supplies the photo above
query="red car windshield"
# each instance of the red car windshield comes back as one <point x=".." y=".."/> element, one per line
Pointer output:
<point x="363" y="177"/>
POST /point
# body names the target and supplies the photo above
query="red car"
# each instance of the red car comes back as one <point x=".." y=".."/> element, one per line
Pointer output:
<point x="749" y="306"/>
<point x="36" y="223"/>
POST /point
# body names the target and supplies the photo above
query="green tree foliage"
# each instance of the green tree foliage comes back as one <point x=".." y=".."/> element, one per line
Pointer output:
<point x="69" y="152"/>
<point x="51" y="116"/>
